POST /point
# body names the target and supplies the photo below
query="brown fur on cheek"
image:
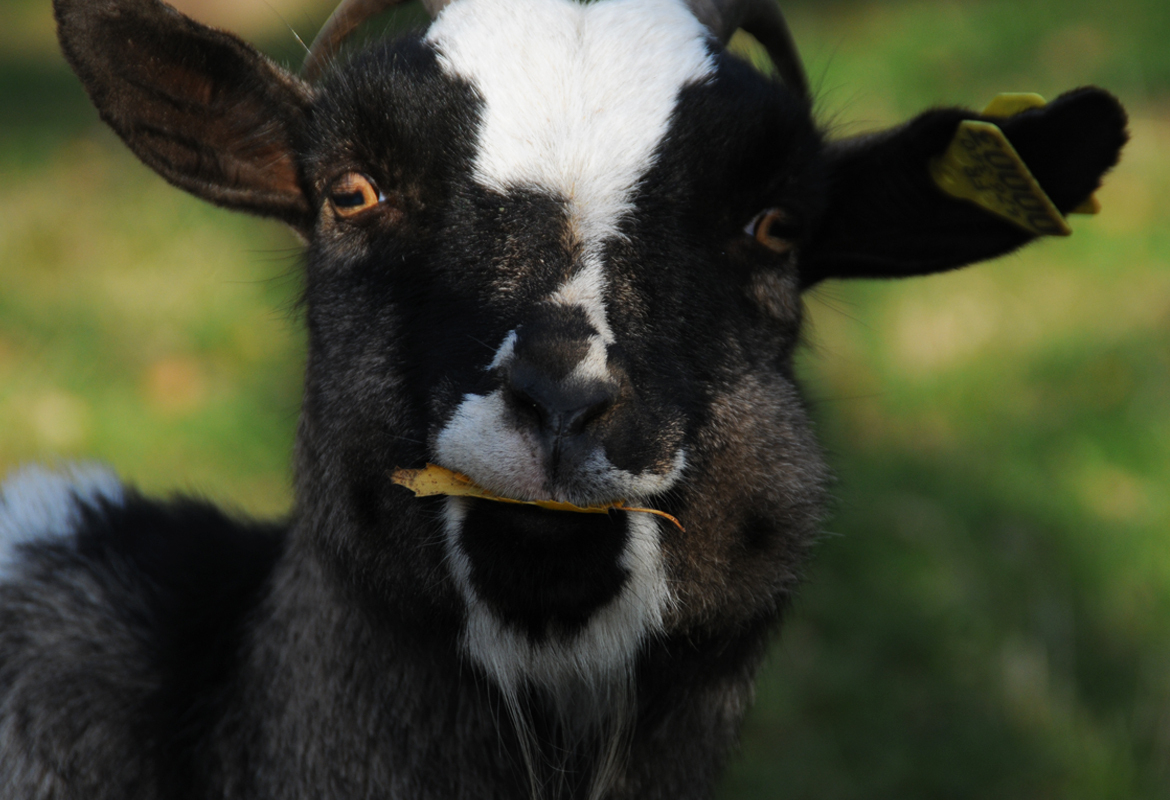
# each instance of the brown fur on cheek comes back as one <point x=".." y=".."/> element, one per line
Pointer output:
<point x="754" y="514"/>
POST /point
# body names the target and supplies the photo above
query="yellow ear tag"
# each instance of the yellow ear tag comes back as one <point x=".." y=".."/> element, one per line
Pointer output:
<point x="1091" y="207"/>
<point x="1009" y="104"/>
<point x="981" y="166"/>
<point x="436" y="480"/>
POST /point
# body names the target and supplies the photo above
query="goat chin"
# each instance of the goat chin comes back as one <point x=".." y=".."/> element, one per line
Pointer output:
<point x="574" y="740"/>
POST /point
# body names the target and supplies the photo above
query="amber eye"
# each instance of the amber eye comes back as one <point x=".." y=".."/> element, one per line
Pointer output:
<point x="353" y="193"/>
<point x="774" y="229"/>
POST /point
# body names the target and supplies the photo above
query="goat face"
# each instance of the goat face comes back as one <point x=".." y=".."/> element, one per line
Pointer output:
<point x="560" y="249"/>
<point x="557" y="297"/>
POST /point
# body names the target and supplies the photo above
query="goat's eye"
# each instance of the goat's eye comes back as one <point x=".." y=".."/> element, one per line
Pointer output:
<point x="353" y="193"/>
<point x="774" y="228"/>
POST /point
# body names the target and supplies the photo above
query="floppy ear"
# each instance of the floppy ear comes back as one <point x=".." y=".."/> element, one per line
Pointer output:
<point x="203" y="109"/>
<point x="886" y="217"/>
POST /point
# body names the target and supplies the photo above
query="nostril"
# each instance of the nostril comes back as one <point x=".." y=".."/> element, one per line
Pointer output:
<point x="578" y="419"/>
<point x="530" y="406"/>
<point x="556" y="409"/>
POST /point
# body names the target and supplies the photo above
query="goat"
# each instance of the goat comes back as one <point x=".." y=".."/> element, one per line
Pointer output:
<point x="627" y="215"/>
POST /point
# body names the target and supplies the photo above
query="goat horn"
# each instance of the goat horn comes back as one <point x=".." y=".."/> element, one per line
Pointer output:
<point x="763" y="20"/>
<point x="342" y="22"/>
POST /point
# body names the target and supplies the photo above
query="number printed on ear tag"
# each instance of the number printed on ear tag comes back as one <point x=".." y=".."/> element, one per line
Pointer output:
<point x="982" y="166"/>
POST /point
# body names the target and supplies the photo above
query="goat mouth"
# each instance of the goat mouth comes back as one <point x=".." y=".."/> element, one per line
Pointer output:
<point x="434" y="480"/>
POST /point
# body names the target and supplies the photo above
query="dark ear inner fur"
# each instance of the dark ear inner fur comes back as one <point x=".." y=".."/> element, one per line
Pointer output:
<point x="203" y="109"/>
<point x="886" y="218"/>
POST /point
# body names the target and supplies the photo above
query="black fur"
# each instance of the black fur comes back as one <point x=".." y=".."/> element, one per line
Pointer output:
<point x="163" y="591"/>
<point x="894" y="221"/>
<point x="535" y="570"/>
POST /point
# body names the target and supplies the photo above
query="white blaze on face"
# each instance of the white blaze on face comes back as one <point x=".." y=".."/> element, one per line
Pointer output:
<point x="577" y="97"/>
<point x="577" y="100"/>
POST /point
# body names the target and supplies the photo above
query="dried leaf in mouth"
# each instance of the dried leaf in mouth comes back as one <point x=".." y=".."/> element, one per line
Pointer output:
<point x="436" y="480"/>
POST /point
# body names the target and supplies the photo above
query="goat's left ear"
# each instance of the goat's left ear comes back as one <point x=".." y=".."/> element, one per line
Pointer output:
<point x="206" y="111"/>
<point x="886" y="217"/>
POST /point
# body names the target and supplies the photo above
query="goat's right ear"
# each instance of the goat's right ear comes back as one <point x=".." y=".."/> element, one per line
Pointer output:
<point x="206" y="111"/>
<point x="886" y="217"/>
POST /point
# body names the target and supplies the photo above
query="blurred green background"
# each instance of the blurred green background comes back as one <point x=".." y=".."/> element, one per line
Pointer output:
<point x="989" y="613"/>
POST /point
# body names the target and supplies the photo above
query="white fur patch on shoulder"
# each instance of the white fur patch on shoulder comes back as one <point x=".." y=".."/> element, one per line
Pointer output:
<point x="577" y="97"/>
<point x="38" y="503"/>
<point x="606" y="646"/>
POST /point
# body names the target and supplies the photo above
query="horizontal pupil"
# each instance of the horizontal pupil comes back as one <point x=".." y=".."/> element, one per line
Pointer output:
<point x="348" y="199"/>
<point x="779" y="228"/>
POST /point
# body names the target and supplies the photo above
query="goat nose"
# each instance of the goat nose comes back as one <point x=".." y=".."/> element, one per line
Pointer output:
<point x="558" y="409"/>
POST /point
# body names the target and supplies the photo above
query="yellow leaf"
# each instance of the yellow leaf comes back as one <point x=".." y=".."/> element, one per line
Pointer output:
<point x="436" y="480"/>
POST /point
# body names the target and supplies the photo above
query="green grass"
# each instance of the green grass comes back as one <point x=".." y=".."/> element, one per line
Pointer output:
<point x="989" y="613"/>
<point x="144" y="328"/>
